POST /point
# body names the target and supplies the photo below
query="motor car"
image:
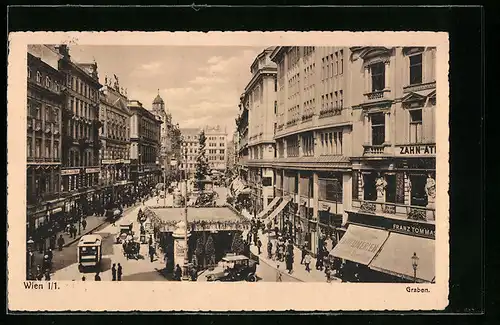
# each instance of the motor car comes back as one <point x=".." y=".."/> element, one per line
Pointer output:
<point x="234" y="268"/>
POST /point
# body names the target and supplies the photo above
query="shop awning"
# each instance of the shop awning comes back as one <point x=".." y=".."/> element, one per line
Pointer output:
<point x="395" y="257"/>
<point x="280" y="208"/>
<point x="360" y="244"/>
<point x="269" y="207"/>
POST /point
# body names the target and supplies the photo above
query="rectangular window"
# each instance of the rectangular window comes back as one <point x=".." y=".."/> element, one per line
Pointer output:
<point x="416" y="126"/>
<point x="418" y="194"/>
<point x="378" y="129"/>
<point x="370" y="191"/>
<point x="29" y="147"/>
<point x="416" y="69"/>
<point x="341" y="62"/>
<point x="337" y="63"/>
<point x="330" y="190"/>
<point x="47" y="149"/>
<point x="355" y="192"/>
<point x="378" y="76"/>
<point x="341" y="99"/>
<point x="38" y="148"/>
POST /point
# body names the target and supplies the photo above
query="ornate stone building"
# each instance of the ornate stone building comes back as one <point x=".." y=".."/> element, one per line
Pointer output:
<point x="80" y="129"/>
<point x="115" y="141"/>
<point x="45" y="101"/>
<point x="145" y="133"/>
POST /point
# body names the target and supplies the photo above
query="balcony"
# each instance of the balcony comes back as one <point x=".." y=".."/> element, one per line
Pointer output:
<point x="377" y="150"/>
<point x="40" y="160"/>
<point x="48" y="127"/>
<point x="37" y="125"/>
<point x="307" y="117"/>
<point x="292" y="122"/>
<point x="408" y="212"/>
<point x="378" y="95"/>
<point x="419" y="87"/>
<point x="330" y="111"/>
<point x="56" y="128"/>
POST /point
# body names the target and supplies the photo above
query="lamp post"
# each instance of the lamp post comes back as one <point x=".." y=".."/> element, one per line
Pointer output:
<point x="414" y="263"/>
<point x="186" y="258"/>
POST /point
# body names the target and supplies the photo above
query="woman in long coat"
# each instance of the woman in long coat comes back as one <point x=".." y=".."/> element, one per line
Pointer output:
<point x="289" y="262"/>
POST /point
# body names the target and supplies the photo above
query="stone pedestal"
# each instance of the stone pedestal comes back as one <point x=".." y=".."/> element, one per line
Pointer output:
<point x="180" y="244"/>
<point x="431" y="205"/>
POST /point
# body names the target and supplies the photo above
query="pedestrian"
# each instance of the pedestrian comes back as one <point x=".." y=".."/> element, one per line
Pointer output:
<point x="278" y="274"/>
<point x="83" y="278"/>
<point x="269" y="249"/>
<point x="304" y="252"/>
<point x="47" y="275"/>
<point x="52" y="241"/>
<point x="307" y="262"/>
<point x="60" y="242"/>
<point x="259" y="245"/>
<point x="39" y="273"/>
<point x="97" y="277"/>
<point x="319" y="260"/>
<point x="151" y="253"/>
<point x="289" y="263"/>
<point x="177" y="273"/>
<point x="50" y="254"/>
<point x="113" y="272"/>
<point x="84" y="223"/>
<point x="150" y="240"/>
<point x="119" y="272"/>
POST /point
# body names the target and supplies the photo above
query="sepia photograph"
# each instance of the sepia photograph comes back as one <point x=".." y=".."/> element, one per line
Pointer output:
<point x="322" y="161"/>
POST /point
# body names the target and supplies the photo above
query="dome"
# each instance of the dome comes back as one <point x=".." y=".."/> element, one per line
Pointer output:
<point x="158" y="100"/>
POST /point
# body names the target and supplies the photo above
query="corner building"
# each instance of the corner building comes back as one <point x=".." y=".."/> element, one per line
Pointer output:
<point x="313" y="137"/>
<point x="393" y="161"/>
<point x="260" y="102"/>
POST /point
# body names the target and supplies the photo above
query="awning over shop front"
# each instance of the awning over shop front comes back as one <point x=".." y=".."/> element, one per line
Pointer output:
<point x="360" y="244"/>
<point x="269" y="207"/>
<point x="395" y="257"/>
<point x="280" y="208"/>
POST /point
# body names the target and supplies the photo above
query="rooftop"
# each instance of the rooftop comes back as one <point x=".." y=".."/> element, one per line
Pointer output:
<point x="207" y="214"/>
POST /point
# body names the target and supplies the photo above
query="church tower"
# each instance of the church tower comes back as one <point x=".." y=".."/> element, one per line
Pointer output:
<point x="159" y="110"/>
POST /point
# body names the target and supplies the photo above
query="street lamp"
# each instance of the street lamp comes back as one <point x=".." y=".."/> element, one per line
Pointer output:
<point x="186" y="258"/>
<point x="414" y="263"/>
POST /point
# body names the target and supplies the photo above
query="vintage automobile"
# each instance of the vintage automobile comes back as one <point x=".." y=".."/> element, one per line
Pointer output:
<point x="234" y="268"/>
<point x="125" y="231"/>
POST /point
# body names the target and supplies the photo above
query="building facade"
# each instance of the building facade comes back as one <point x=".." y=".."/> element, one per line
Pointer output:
<point x="313" y="143"/>
<point x="145" y="133"/>
<point x="216" y="147"/>
<point x="166" y="136"/>
<point x="191" y="145"/>
<point x="394" y="154"/>
<point x="80" y="129"/>
<point x="45" y="102"/>
<point x="115" y="142"/>
<point x="260" y="93"/>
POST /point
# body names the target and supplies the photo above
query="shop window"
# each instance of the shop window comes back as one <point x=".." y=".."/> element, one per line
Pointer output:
<point x="418" y="195"/>
<point x="378" y="76"/>
<point x="416" y="126"/>
<point x="416" y="69"/>
<point x="369" y="189"/>
<point x="378" y="128"/>
<point x="390" y="190"/>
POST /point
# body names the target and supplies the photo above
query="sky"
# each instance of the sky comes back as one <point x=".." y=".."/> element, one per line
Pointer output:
<point x="200" y="85"/>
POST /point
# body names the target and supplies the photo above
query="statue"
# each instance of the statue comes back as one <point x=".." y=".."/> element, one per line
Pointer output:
<point x="380" y="184"/>
<point x="106" y="80"/>
<point x="430" y="188"/>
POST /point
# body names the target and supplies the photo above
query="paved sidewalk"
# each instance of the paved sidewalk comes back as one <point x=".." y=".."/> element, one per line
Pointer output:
<point x="299" y="273"/>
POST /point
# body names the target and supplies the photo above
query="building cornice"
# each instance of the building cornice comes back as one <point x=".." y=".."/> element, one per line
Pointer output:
<point x="278" y="52"/>
<point x="265" y="71"/>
